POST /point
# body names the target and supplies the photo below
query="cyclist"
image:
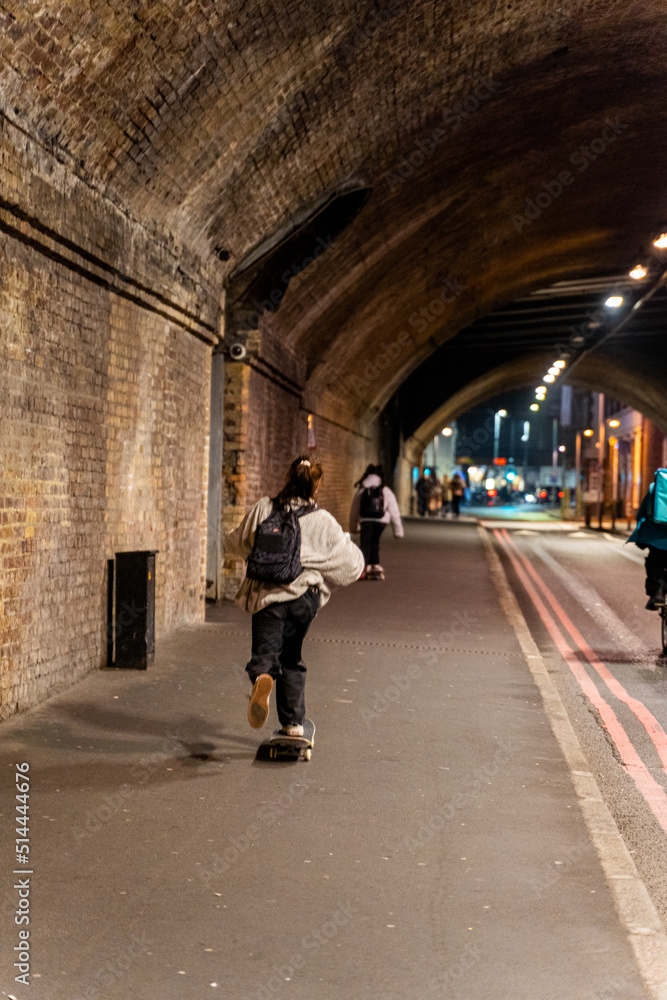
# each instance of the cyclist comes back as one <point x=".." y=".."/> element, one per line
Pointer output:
<point x="652" y="535"/>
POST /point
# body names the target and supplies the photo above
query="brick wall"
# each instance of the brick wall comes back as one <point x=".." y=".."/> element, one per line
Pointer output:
<point x="104" y="400"/>
<point x="344" y="455"/>
<point x="265" y="428"/>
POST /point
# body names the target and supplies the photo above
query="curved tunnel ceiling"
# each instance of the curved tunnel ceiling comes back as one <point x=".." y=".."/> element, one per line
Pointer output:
<point x="222" y="122"/>
<point x="512" y="347"/>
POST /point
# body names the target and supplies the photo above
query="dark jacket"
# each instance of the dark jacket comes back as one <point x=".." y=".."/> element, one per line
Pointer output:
<point x="647" y="531"/>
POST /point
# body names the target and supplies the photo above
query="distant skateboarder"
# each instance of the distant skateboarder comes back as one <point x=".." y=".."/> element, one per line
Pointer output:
<point x="295" y="554"/>
<point x="374" y="506"/>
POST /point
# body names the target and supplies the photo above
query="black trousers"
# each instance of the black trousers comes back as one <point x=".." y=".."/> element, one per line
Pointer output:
<point x="456" y="503"/>
<point x="369" y="541"/>
<point x="278" y="631"/>
<point x="656" y="570"/>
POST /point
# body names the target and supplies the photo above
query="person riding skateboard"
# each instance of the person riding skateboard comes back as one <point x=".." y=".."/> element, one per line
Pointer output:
<point x="374" y="506"/>
<point x="282" y="612"/>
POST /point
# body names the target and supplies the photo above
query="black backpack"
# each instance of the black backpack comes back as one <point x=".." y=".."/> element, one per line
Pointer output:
<point x="657" y="505"/>
<point x="275" y="556"/>
<point x="371" y="503"/>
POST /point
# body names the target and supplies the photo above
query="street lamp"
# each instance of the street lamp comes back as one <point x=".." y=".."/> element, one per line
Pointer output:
<point x="497" y="417"/>
<point x="525" y="437"/>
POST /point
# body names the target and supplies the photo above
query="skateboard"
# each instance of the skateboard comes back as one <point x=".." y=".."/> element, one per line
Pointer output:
<point x="292" y="747"/>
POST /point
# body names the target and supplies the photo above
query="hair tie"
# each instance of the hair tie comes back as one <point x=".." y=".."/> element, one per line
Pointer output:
<point x="304" y="461"/>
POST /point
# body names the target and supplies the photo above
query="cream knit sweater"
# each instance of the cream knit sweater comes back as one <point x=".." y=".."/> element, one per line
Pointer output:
<point x="329" y="558"/>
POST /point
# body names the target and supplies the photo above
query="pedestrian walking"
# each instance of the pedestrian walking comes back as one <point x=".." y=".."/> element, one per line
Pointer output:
<point x="423" y="487"/>
<point x="457" y="491"/>
<point x="374" y="506"/>
<point x="435" y="498"/>
<point x="446" y="495"/>
<point x="651" y="534"/>
<point x="296" y="553"/>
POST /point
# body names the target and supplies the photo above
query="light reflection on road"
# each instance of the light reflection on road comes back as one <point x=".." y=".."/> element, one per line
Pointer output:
<point x="514" y="512"/>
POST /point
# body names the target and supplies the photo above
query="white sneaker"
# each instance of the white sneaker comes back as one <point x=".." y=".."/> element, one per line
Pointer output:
<point x="292" y="730"/>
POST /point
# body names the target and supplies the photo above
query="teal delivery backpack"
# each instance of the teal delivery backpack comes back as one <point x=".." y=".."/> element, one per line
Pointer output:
<point x="659" y="511"/>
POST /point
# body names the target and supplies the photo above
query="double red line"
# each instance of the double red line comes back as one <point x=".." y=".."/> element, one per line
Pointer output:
<point x="654" y="794"/>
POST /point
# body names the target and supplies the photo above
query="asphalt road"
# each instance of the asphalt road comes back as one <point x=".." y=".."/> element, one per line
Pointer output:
<point x="598" y="582"/>
<point x="434" y="847"/>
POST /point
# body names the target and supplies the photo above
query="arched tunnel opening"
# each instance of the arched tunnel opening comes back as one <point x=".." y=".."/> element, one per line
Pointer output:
<point x="422" y="236"/>
<point x="582" y="336"/>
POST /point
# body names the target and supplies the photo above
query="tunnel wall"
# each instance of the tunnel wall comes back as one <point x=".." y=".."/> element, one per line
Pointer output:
<point x="104" y="398"/>
<point x="266" y="427"/>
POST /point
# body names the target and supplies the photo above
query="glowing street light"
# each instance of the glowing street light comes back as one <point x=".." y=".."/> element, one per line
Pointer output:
<point x="534" y="406"/>
<point x="589" y="433"/>
<point x="554" y="371"/>
<point x="560" y="364"/>
<point x="561" y="447"/>
<point x="549" y="377"/>
<point x="497" y="417"/>
<point x="447" y="431"/>
<point x="541" y="388"/>
<point x="661" y="242"/>
<point x="614" y="301"/>
<point x="614" y="423"/>
<point x="638" y="272"/>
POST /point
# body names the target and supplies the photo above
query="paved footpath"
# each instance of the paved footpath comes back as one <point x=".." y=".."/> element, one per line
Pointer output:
<point x="434" y="846"/>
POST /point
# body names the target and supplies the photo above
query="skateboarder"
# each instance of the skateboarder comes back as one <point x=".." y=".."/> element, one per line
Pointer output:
<point x="283" y="611"/>
<point x="373" y="507"/>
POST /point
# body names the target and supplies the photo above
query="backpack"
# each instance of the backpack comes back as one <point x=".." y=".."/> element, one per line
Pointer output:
<point x="276" y="552"/>
<point x="658" y="501"/>
<point x="371" y="503"/>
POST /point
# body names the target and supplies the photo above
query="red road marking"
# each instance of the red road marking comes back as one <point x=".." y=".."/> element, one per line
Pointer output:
<point x="648" y="721"/>
<point x="653" y="793"/>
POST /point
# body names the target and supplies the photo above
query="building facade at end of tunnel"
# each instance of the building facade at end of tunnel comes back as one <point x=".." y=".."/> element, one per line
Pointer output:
<point x="583" y="452"/>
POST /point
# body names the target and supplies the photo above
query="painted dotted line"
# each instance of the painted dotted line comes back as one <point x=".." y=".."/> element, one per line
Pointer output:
<point x="386" y="645"/>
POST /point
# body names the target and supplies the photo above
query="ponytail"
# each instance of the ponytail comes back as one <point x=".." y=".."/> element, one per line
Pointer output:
<point x="302" y="480"/>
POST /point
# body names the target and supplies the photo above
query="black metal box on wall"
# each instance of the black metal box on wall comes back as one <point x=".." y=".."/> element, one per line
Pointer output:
<point x="134" y="622"/>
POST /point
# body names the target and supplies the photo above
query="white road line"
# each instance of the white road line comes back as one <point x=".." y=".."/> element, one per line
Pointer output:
<point x="633" y="903"/>
<point x="527" y="523"/>
<point x="590" y="601"/>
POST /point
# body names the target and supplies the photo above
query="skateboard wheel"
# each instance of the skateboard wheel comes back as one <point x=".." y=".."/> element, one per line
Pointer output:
<point x="307" y="753"/>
